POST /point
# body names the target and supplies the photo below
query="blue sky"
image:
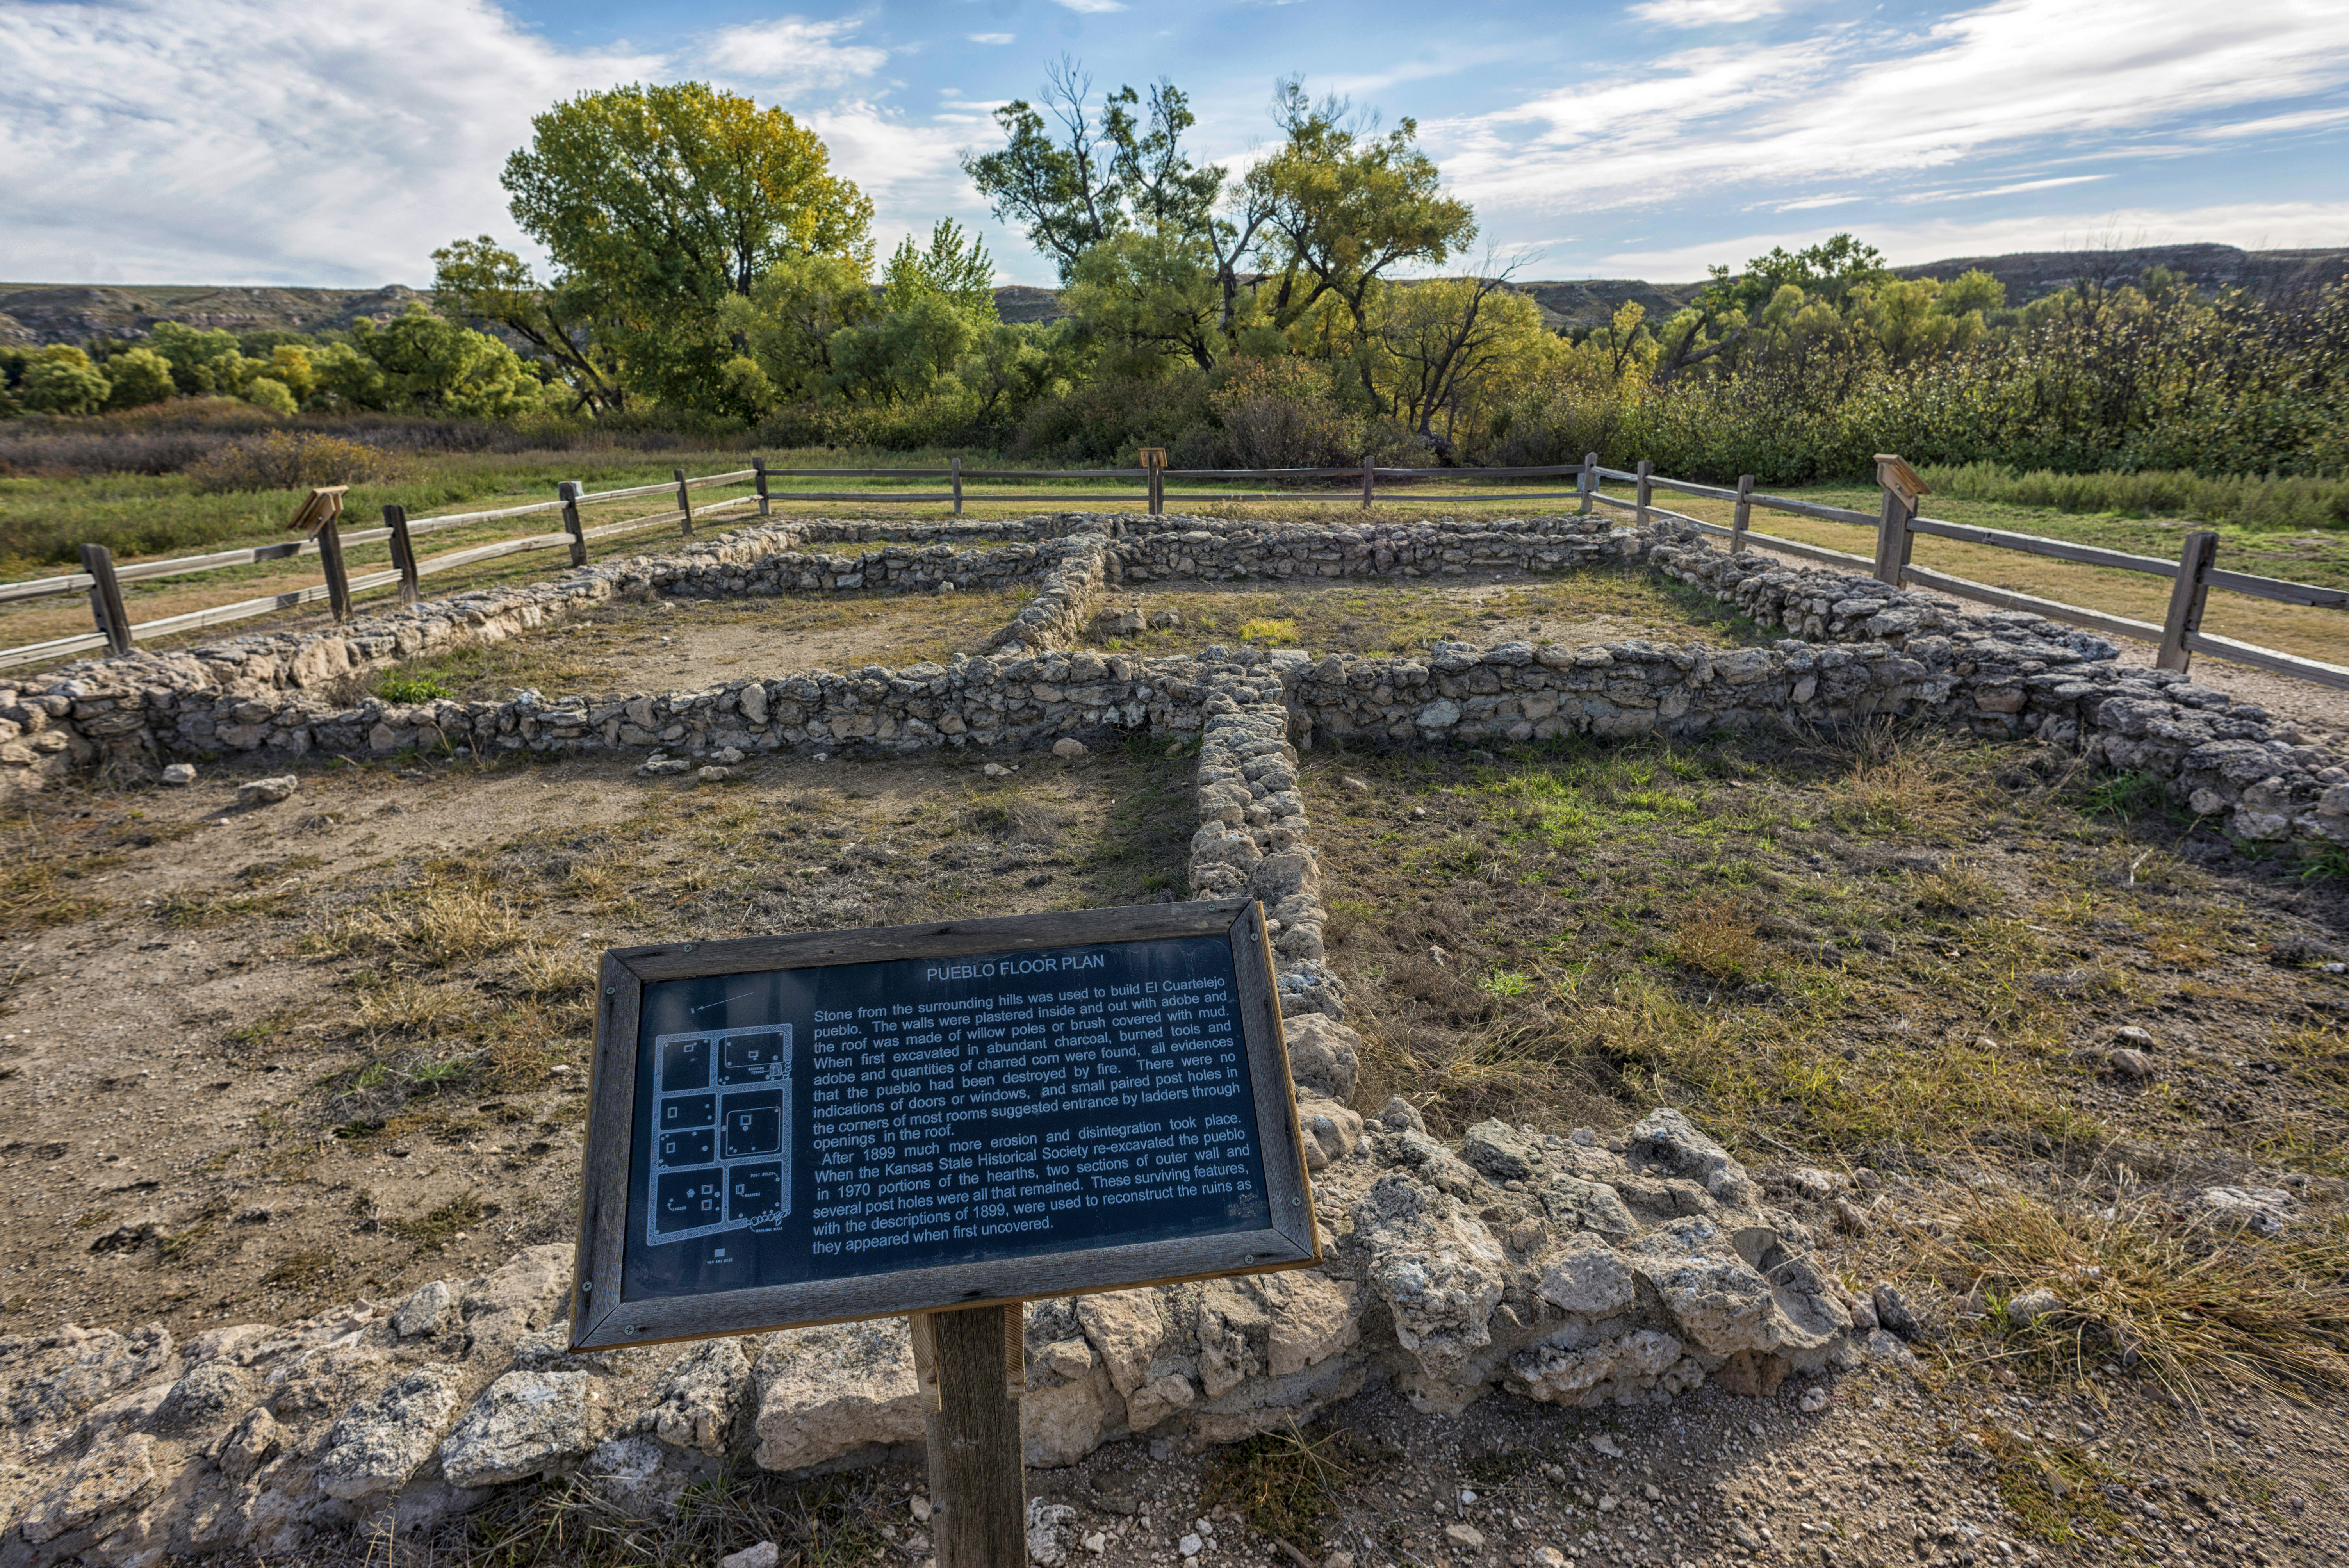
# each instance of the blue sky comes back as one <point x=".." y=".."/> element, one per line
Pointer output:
<point x="265" y="141"/>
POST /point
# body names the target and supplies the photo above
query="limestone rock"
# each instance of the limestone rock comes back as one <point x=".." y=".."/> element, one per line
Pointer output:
<point x="700" y="1397"/>
<point x="1125" y="1328"/>
<point x="1438" y="1270"/>
<point x="1500" y="1151"/>
<point x="1324" y="1056"/>
<point x="105" y="1478"/>
<point x="1069" y="747"/>
<point x="1051" y="1531"/>
<point x="1332" y="1131"/>
<point x="1155" y="1401"/>
<point x="425" y="1310"/>
<point x="212" y="1394"/>
<point x="765" y="1554"/>
<point x="1313" y="1318"/>
<point x="267" y="791"/>
<point x="381" y="1442"/>
<point x="1590" y="1278"/>
<point x="1621" y="1368"/>
<point x="525" y="1424"/>
<point x="179" y="773"/>
<point x="1720" y="1303"/>
<point x="253" y="1443"/>
<point x="642" y="1476"/>
<point x="1666" y="1136"/>
<point x="823" y="1392"/>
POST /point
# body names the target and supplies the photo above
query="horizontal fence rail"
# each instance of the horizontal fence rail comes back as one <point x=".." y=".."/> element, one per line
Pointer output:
<point x="2178" y="636"/>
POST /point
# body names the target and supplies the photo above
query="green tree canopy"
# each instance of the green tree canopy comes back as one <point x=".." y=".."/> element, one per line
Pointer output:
<point x="955" y="266"/>
<point x="479" y="280"/>
<point x="1104" y="173"/>
<point x="62" y="380"/>
<point x="662" y="202"/>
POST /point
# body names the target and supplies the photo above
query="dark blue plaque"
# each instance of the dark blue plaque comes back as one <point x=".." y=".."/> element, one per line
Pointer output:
<point x="809" y="1124"/>
<point x="845" y="1124"/>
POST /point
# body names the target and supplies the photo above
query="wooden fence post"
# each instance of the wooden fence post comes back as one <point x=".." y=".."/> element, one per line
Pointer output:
<point x="684" y="500"/>
<point x="954" y="466"/>
<point x="979" y="1482"/>
<point x="2185" y="599"/>
<point x="105" y="598"/>
<point x="1369" y="483"/>
<point x="1744" y="515"/>
<point x="1588" y="482"/>
<point x="1902" y="489"/>
<point x="759" y="471"/>
<point x="570" y="490"/>
<point x="403" y="553"/>
<point x="1647" y="491"/>
<point x="339" y="579"/>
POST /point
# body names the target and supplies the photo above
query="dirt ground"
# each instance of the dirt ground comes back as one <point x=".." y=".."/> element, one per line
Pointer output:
<point x="1332" y="615"/>
<point x="259" y="1060"/>
<point x="1908" y="962"/>
<point x="682" y="643"/>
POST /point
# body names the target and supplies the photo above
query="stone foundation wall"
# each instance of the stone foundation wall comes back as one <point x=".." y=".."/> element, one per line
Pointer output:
<point x="1859" y="649"/>
<point x="1581" y="1270"/>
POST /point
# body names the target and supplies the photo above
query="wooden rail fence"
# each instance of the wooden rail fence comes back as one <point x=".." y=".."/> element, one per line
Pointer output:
<point x="2179" y="637"/>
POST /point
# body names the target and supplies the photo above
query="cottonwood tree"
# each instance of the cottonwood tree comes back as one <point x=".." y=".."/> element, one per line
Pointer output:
<point x="478" y="280"/>
<point x="661" y="203"/>
<point x="1345" y="207"/>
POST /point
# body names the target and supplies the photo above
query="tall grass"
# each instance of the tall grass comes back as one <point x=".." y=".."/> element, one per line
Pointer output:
<point x="2249" y="501"/>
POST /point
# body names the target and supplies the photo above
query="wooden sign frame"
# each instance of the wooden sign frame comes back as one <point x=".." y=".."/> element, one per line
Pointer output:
<point x="603" y="1318"/>
<point x="322" y="507"/>
<point x="1893" y="473"/>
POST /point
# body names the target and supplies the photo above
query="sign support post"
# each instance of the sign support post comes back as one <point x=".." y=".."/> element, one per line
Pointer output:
<point x="979" y="1477"/>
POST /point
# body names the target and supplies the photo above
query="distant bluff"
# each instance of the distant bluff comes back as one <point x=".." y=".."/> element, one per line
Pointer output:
<point x="37" y="314"/>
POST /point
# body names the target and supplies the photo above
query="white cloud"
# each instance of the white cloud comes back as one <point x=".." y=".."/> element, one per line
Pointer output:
<point x="2252" y="225"/>
<point x="203" y="139"/>
<point x="2049" y="76"/>
<point x="1706" y="12"/>
<point x="991" y="37"/>
<point x="2306" y="120"/>
<point x="2023" y="185"/>
<point x="270" y="141"/>
<point x="791" y="53"/>
<point x="1092" y="7"/>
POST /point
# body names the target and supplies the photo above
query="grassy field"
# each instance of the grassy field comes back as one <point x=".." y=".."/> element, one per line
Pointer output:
<point x="147" y="517"/>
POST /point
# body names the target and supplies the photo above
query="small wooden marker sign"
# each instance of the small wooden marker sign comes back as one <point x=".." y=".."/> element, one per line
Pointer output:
<point x="939" y="1121"/>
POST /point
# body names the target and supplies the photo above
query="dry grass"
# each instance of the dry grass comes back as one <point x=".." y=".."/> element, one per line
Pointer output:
<point x="2200" y="1308"/>
<point x="827" y="1522"/>
<point x="1285" y="1483"/>
<point x="443" y="924"/>
<point x="1719" y="940"/>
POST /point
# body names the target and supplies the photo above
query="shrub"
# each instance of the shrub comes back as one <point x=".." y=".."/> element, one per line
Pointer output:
<point x="287" y="460"/>
<point x="268" y="392"/>
<point x="139" y="376"/>
<point x="62" y="380"/>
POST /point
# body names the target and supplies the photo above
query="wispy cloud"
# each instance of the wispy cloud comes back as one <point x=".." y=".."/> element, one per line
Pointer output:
<point x="1091" y="7"/>
<point x="238" y="139"/>
<point x="791" y="53"/>
<point x="991" y="37"/>
<point x="2022" y="185"/>
<point x="1868" y="103"/>
<point x="1706" y="12"/>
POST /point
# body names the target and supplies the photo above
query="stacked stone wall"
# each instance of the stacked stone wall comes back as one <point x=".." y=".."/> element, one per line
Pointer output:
<point x="1857" y="649"/>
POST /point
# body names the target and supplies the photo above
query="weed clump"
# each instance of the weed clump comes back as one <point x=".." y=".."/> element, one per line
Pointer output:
<point x="291" y="459"/>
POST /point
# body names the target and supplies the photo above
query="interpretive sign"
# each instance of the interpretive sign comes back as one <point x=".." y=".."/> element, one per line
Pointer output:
<point x="849" y="1124"/>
